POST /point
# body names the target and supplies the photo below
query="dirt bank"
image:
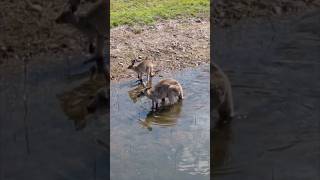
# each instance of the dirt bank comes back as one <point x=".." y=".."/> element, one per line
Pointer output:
<point x="171" y="45"/>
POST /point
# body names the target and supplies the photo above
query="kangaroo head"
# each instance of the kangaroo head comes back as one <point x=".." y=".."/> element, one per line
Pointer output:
<point x="65" y="17"/>
<point x="132" y="64"/>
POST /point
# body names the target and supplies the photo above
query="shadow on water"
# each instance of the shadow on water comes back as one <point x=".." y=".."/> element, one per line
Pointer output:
<point x="171" y="142"/>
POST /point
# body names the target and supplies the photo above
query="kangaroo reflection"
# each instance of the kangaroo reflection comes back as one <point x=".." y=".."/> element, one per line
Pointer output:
<point x="135" y="92"/>
<point x="88" y="98"/>
<point x="164" y="117"/>
<point x="222" y="137"/>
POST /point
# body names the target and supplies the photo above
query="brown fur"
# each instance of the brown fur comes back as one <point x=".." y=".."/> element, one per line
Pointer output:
<point x="145" y="67"/>
<point x="222" y="93"/>
<point x="166" y="88"/>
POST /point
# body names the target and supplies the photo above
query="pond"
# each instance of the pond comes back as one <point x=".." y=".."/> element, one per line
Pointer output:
<point x="170" y="143"/>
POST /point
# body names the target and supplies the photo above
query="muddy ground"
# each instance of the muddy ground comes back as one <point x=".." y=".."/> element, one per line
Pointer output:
<point x="177" y="44"/>
<point x="171" y="45"/>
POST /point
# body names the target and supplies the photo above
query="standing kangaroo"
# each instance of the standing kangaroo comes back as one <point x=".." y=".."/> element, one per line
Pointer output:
<point x="94" y="24"/>
<point x="145" y="66"/>
<point x="166" y="88"/>
<point x="222" y="93"/>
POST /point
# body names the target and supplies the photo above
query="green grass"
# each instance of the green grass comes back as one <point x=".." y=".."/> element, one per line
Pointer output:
<point x="148" y="11"/>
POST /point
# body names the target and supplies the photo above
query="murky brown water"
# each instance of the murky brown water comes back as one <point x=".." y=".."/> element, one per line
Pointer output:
<point x="171" y="143"/>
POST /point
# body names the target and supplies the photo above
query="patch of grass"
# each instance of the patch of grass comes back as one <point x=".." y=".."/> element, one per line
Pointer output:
<point x="132" y="12"/>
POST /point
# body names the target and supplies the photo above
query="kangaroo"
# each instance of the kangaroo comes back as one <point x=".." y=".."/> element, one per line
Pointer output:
<point x="145" y="66"/>
<point x="174" y="87"/>
<point x="166" y="88"/>
<point x="222" y="93"/>
<point x="93" y="24"/>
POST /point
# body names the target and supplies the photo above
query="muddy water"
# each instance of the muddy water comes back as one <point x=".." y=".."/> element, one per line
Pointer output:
<point x="274" y="67"/>
<point x="170" y="143"/>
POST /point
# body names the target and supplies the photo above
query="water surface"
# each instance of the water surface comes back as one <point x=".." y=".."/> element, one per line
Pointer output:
<point x="171" y="143"/>
<point x="274" y="67"/>
<point x="46" y="131"/>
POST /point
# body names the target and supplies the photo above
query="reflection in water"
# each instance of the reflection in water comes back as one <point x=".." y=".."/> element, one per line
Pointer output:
<point x="135" y="92"/>
<point x="163" y="117"/>
<point x="222" y="139"/>
<point x="84" y="100"/>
